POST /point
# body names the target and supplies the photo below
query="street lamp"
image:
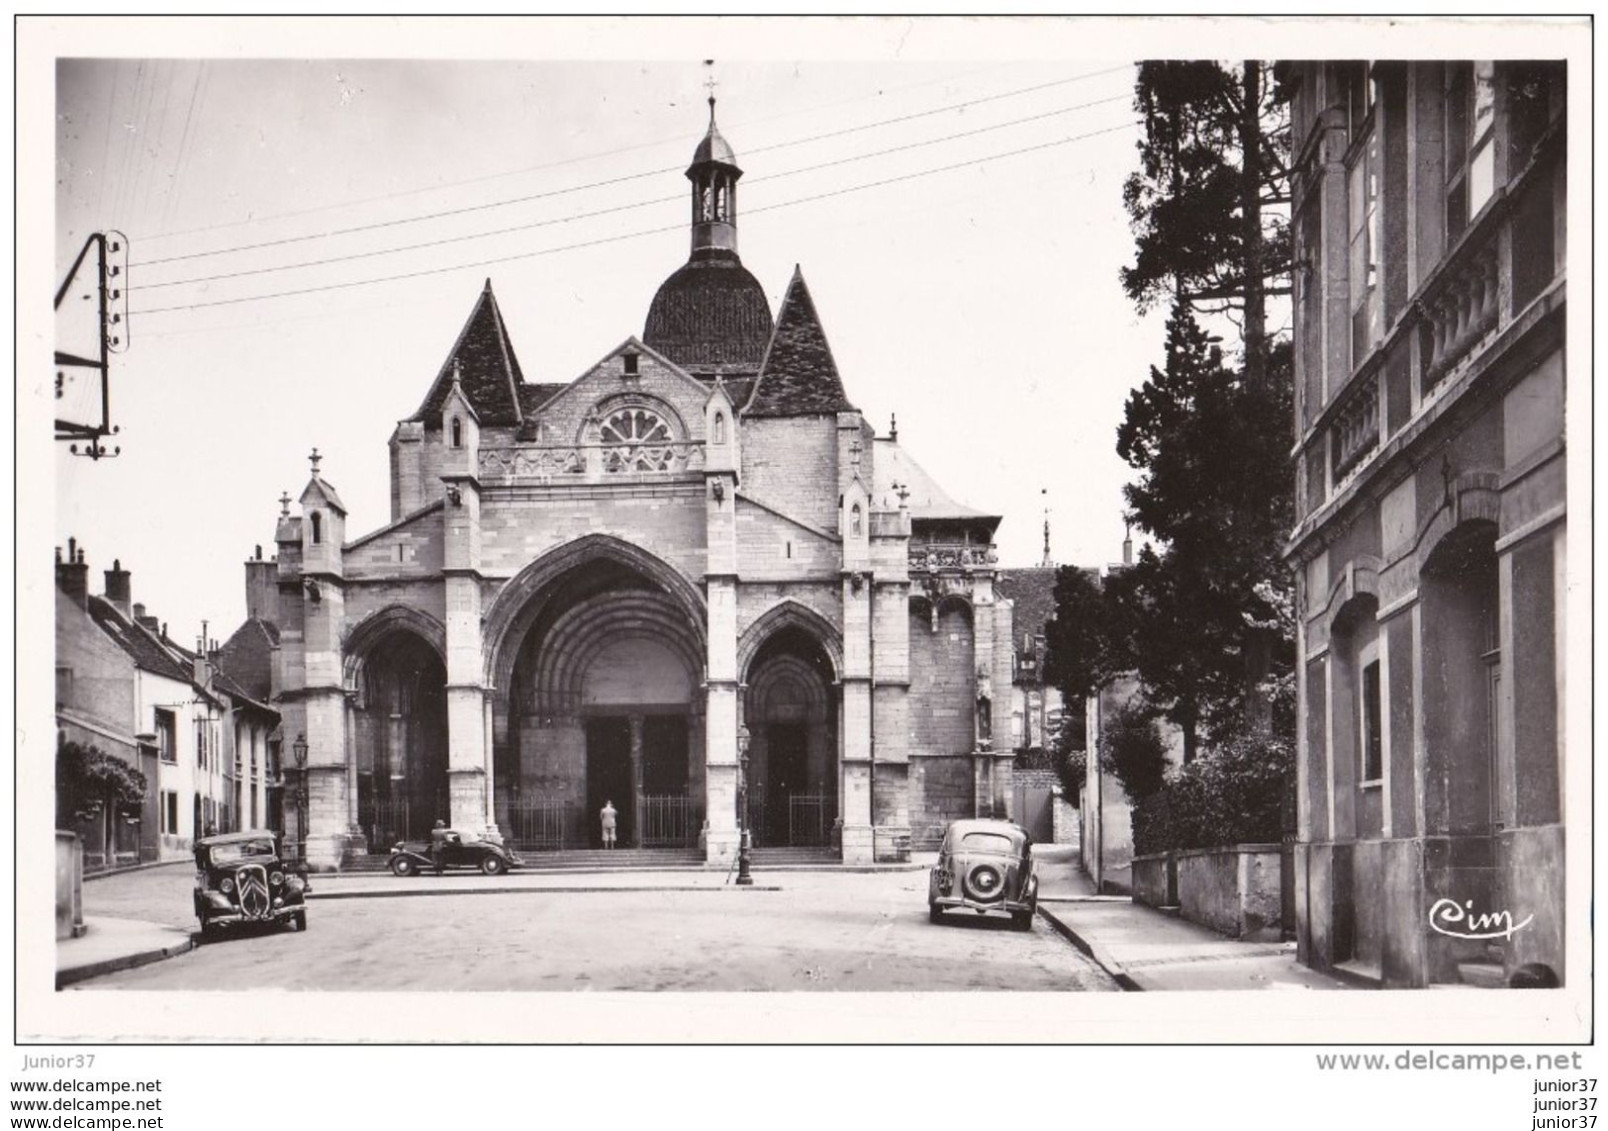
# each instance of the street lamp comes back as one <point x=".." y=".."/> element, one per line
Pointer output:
<point x="300" y="749"/>
<point x="744" y="875"/>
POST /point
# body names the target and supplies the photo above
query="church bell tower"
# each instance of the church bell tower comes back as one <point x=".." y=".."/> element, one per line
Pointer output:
<point x="714" y="175"/>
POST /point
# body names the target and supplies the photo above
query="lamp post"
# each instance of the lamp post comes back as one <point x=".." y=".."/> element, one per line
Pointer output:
<point x="300" y="749"/>
<point x="744" y="875"/>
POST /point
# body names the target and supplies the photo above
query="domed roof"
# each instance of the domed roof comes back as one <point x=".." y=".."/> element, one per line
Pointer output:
<point x="714" y="147"/>
<point x="710" y="314"/>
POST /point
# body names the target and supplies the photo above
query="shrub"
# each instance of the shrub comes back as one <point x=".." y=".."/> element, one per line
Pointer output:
<point x="1131" y="748"/>
<point x="1232" y="795"/>
<point x="1072" y="767"/>
<point x="89" y="779"/>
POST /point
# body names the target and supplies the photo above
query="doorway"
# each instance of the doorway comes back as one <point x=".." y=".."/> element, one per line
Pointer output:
<point x="608" y="778"/>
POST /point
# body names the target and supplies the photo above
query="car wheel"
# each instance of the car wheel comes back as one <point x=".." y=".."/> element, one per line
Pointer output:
<point x="402" y="866"/>
<point x="493" y="866"/>
<point x="208" y="930"/>
<point x="299" y="921"/>
<point x="935" y="914"/>
<point x="1022" y="920"/>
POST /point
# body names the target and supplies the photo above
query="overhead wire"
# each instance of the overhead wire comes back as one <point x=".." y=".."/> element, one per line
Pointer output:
<point x="575" y="217"/>
<point x="550" y="193"/>
<point x="504" y="174"/>
<point x="539" y="252"/>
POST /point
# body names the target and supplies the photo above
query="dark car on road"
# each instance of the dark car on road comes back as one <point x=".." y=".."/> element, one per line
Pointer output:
<point x="985" y="866"/>
<point x="242" y="878"/>
<point x="453" y="848"/>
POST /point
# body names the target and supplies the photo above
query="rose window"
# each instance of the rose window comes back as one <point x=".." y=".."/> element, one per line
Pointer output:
<point x="639" y="440"/>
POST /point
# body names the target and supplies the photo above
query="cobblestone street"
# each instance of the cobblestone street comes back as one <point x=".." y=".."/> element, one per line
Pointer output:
<point x="820" y="931"/>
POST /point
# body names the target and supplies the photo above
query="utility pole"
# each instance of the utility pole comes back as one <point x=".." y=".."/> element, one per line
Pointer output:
<point x="91" y="325"/>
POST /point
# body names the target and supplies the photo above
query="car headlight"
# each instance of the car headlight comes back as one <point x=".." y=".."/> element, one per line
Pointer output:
<point x="226" y="886"/>
<point x="276" y="879"/>
<point x="278" y="901"/>
<point x="294" y="884"/>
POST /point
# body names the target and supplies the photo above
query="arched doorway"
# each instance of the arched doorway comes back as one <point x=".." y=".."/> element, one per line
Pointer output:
<point x="1462" y="666"/>
<point x="399" y="736"/>
<point x="791" y="715"/>
<point x="601" y="703"/>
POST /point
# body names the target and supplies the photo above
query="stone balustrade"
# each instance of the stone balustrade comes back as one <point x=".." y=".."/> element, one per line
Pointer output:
<point x="933" y="556"/>
<point x="591" y="463"/>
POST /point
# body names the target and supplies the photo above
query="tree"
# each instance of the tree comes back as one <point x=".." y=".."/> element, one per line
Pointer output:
<point x="90" y="781"/>
<point x="1131" y="749"/>
<point x="1210" y="441"/>
<point x="1206" y="202"/>
<point x="1079" y="653"/>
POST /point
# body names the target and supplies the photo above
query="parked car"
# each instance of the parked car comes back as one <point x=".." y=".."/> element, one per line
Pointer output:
<point x="242" y="878"/>
<point x="453" y="848"/>
<point x="987" y="866"/>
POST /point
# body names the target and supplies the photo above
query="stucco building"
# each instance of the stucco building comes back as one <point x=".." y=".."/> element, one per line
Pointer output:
<point x="618" y="587"/>
<point x="1430" y="545"/>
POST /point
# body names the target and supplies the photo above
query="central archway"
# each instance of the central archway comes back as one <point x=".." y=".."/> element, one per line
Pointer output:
<point x="599" y="659"/>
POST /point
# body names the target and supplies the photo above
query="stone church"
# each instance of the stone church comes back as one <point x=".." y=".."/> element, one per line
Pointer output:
<point x="693" y="581"/>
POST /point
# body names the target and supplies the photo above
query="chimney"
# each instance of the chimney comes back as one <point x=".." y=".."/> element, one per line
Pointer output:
<point x="72" y="576"/>
<point x="262" y="588"/>
<point x="1127" y="546"/>
<point x="202" y="664"/>
<point x="117" y="587"/>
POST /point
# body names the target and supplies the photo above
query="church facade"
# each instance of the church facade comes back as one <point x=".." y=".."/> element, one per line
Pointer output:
<point x="693" y="582"/>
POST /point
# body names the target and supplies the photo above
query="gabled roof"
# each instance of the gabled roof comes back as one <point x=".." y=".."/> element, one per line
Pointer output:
<point x="485" y="363"/>
<point x="246" y="658"/>
<point x="798" y="376"/>
<point x="318" y="490"/>
<point x="148" y="653"/>
<point x="927" y="500"/>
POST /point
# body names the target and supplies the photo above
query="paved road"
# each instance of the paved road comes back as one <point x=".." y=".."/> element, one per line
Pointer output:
<point x="822" y="931"/>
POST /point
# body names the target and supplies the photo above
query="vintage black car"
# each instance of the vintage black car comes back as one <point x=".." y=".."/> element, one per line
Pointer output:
<point x="986" y="866"/>
<point x="241" y="878"/>
<point x="453" y="848"/>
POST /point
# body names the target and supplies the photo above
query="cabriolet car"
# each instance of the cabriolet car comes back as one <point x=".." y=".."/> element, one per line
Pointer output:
<point x="986" y="866"/>
<point x="452" y="848"/>
<point x="241" y="878"/>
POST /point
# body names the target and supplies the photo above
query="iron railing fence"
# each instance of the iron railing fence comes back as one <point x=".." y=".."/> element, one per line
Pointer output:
<point x="669" y="821"/>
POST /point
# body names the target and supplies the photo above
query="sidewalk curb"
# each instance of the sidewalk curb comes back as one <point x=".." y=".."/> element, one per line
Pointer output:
<point x="1101" y="959"/>
<point x="597" y="889"/>
<point x="150" y="865"/>
<point x="72" y="974"/>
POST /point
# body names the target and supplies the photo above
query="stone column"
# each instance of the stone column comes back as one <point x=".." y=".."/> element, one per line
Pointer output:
<point x="720" y="739"/>
<point x="636" y="779"/>
<point x="858" y="835"/>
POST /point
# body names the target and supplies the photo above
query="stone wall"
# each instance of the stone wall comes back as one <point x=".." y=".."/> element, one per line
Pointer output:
<point x="943" y="682"/>
<point x="941" y="790"/>
<point x="790" y="465"/>
<point x="1233" y="890"/>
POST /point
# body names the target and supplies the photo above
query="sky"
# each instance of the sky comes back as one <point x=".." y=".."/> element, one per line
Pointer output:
<point x="979" y="303"/>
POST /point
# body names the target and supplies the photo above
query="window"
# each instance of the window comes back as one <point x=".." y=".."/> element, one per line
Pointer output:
<point x="457" y="432"/>
<point x="1372" y="732"/>
<point x="64" y="685"/>
<point x="720" y="428"/>
<point x="1362" y="185"/>
<point x="630" y="360"/>
<point x="1470" y="150"/>
<point x="169" y="815"/>
<point x="166" y="731"/>
<point x="642" y="441"/>
<point x="318" y="527"/>
<point x="854" y="523"/>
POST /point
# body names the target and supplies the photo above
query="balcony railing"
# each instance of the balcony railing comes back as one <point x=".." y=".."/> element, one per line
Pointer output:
<point x="591" y="463"/>
<point x="1356" y="427"/>
<point x="1463" y="306"/>
<point x="933" y="556"/>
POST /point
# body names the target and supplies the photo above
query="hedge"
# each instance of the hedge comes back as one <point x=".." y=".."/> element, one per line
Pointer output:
<point x="1232" y="795"/>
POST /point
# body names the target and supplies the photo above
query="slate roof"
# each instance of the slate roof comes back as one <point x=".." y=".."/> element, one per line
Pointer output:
<point x="798" y="376"/>
<point x="148" y="653"/>
<point x="927" y="500"/>
<point x="710" y="315"/>
<point x="246" y="657"/>
<point x="488" y="368"/>
<point x="713" y="149"/>
<point x="1032" y="591"/>
<point x="532" y="397"/>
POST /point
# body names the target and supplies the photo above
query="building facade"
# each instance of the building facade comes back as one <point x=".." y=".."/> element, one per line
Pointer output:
<point x="693" y="582"/>
<point x="1431" y="499"/>
<point x="124" y="687"/>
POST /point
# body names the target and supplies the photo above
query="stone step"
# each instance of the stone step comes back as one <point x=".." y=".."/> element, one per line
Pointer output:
<point x="1483" y="975"/>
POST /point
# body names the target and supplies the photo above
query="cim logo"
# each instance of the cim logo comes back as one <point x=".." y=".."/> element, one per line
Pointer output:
<point x="1458" y="921"/>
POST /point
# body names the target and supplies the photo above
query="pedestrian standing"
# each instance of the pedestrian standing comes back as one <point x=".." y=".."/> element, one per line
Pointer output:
<point x="610" y="818"/>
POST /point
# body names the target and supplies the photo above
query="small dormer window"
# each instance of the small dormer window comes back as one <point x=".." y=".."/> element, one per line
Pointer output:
<point x="457" y="432"/>
<point x="317" y="521"/>
<point x="630" y="361"/>
<point x="720" y="428"/>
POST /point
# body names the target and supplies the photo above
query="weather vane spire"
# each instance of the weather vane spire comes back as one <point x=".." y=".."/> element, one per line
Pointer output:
<point x="709" y="85"/>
